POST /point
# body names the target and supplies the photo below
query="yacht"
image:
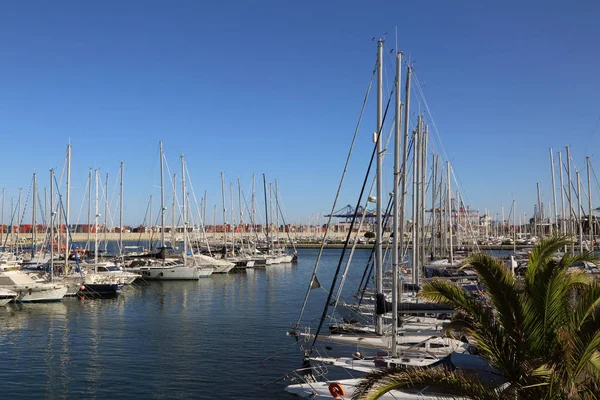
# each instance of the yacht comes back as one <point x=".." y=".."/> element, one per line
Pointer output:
<point x="29" y="289"/>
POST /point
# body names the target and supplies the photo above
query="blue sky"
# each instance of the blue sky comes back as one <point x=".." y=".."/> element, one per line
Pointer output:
<point x="276" y="87"/>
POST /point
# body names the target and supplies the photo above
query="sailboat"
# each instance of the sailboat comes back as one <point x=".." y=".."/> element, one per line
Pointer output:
<point x="407" y="348"/>
<point x="173" y="269"/>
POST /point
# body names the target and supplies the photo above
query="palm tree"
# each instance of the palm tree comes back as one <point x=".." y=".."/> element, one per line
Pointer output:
<point x="542" y="334"/>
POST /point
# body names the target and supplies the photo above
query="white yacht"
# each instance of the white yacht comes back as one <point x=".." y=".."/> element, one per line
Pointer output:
<point x="219" y="266"/>
<point x="173" y="270"/>
<point x="110" y="269"/>
<point x="30" y="290"/>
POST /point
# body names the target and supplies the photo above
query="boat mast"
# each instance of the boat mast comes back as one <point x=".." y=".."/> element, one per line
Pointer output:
<point x="253" y="210"/>
<point x="538" y="215"/>
<point x="433" y="207"/>
<point x="106" y="215"/>
<point x="173" y="205"/>
<point x="449" y="201"/>
<point x="241" y="212"/>
<point x="404" y="160"/>
<point x="590" y="217"/>
<point x="562" y="196"/>
<point x="415" y="205"/>
<point x="579" y="225"/>
<point x="266" y="213"/>
<point x="34" y="218"/>
<point x="183" y="208"/>
<point x="18" y="219"/>
<point x="569" y="197"/>
<point x="273" y="214"/>
<point x="51" y="224"/>
<point x="89" y="213"/>
<point x="224" y="212"/>
<point x="232" y="219"/>
<point x="424" y="136"/>
<point x="151" y="225"/>
<point x="553" y="193"/>
<point x="162" y="204"/>
<point x="379" y="232"/>
<point x="397" y="209"/>
<point x="121" y="209"/>
<point x="96" y="215"/>
<point x="66" y="269"/>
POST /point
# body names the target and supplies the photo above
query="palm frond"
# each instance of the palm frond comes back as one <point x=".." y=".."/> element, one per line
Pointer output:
<point x="543" y="252"/>
<point x="501" y="287"/>
<point x="449" y="382"/>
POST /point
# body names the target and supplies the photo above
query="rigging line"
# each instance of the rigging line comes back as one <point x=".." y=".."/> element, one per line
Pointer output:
<point x="349" y="260"/>
<point x="339" y="189"/>
<point x="285" y="223"/>
<point x="337" y="271"/>
<point x="187" y="171"/>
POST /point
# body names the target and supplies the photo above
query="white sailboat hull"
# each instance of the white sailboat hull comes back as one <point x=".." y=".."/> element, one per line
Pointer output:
<point x="320" y="390"/>
<point x="179" y="272"/>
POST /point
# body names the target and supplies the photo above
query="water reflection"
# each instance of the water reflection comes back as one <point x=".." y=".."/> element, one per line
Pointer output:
<point x="163" y="339"/>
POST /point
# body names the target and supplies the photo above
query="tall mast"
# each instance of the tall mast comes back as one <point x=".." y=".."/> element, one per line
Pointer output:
<point x="162" y="201"/>
<point x="183" y="208"/>
<point x="121" y="209"/>
<point x="569" y="197"/>
<point x="232" y="218"/>
<point x="562" y="195"/>
<point x="151" y="225"/>
<point x="253" y="210"/>
<point x="415" y="205"/>
<point x="266" y="212"/>
<point x="397" y="209"/>
<point x="553" y="193"/>
<point x="89" y="213"/>
<point x="68" y="208"/>
<point x="173" y="205"/>
<point x="273" y="218"/>
<point x="204" y="209"/>
<point x="34" y="217"/>
<point x="379" y="233"/>
<point x="424" y="135"/>
<point x="433" y="207"/>
<point x="579" y="212"/>
<point x="96" y="215"/>
<point x="404" y="160"/>
<point x="450" y="213"/>
<point x="224" y="211"/>
<point x="241" y="211"/>
<point x="51" y="224"/>
<point x="538" y="216"/>
<point x="590" y="210"/>
<point x="106" y="213"/>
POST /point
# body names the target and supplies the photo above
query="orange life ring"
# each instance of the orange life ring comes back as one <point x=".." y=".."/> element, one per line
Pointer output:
<point x="336" y="390"/>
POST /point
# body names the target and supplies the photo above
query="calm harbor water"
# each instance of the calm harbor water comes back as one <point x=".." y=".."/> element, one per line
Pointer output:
<point x="167" y="340"/>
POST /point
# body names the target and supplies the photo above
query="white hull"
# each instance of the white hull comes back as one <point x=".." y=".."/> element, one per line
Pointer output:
<point x="320" y="390"/>
<point x="29" y="289"/>
<point x="423" y="341"/>
<point x="44" y="294"/>
<point x="279" y="259"/>
<point x="179" y="272"/>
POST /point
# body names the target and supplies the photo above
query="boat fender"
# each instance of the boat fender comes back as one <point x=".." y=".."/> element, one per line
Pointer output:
<point x="336" y="390"/>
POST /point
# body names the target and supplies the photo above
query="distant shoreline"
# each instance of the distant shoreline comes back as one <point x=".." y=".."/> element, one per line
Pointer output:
<point x="302" y="242"/>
